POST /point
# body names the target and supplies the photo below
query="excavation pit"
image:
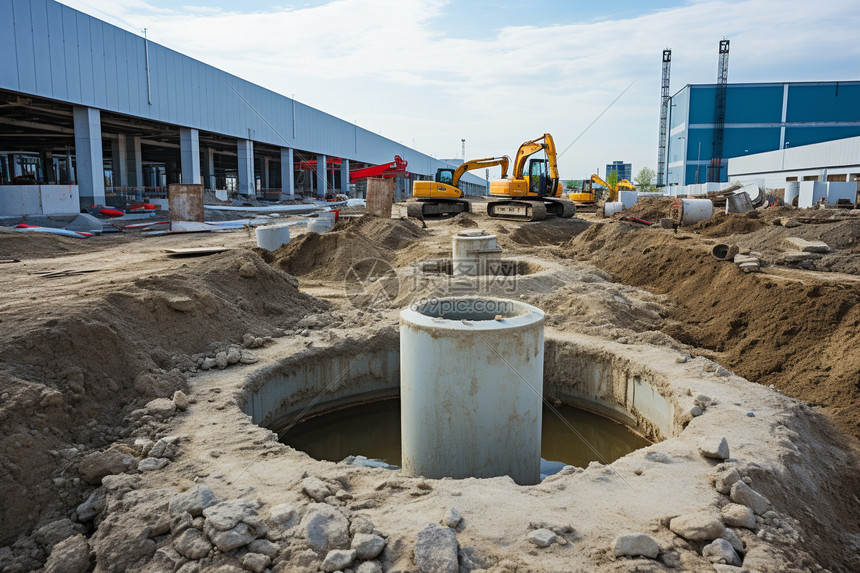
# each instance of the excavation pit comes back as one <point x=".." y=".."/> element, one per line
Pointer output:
<point x="333" y="405"/>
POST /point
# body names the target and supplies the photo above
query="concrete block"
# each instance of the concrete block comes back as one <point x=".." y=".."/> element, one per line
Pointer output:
<point x="628" y="198"/>
<point x="841" y="190"/>
<point x="38" y="199"/>
<point x="810" y="192"/>
<point x="809" y="246"/>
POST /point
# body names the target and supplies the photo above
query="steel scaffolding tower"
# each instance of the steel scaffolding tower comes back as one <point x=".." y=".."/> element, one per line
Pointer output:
<point x="716" y="166"/>
<point x="664" y="119"/>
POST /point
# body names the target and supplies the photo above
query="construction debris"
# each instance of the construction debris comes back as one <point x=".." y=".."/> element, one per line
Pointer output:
<point x="748" y="263"/>
<point x="809" y="246"/>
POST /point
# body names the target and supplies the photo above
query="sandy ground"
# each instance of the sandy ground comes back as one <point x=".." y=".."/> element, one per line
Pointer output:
<point x="85" y="351"/>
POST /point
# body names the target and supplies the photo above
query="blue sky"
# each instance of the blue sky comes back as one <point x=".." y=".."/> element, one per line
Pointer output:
<point x="430" y="72"/>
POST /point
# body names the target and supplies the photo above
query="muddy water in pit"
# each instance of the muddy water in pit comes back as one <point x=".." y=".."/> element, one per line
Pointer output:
<point x="372" y="430"/>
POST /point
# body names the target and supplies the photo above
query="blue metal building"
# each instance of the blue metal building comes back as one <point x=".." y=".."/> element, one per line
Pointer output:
<point x="97" y="106"/>
<point x="759" y="118"/>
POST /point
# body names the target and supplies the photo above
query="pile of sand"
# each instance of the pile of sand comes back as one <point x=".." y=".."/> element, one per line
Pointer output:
<point x="550" y="231"/>
<point x="724" y="225"/>
<point x="330" y="256"/>
<point x="799" y="336"/>
<point x="69" y="376"/>
<point x="650" y="208"/>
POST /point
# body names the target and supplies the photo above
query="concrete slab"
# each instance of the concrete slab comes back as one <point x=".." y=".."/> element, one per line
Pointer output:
<point x="85" y="222"/>
<point x="809" y="246"/>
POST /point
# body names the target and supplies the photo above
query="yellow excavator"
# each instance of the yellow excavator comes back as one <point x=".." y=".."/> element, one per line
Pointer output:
<point x="443" y="195"/>
<point x="530" y="196"/>
<point x="584" y="198"/>
<point x="613" y="191"/>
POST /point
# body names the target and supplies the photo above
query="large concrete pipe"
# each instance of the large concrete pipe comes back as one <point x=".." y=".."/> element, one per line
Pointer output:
<point x="471" y="389"/>
<point x="690" y="211"/>
<point x="475" y="253"/>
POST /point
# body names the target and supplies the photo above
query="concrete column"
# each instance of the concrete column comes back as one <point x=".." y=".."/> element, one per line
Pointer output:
<point x="398" y="188"/>
<point x="88" y="156"/>
<point x="134" y="161"/>
<point x="189" y="153"/>
<point x="247" y="185"/>
<point x="209" y="168"/>
<point x="344" y="176"/>
<point x="119" y="160"/>
<point x="288" y="183"/>
<point x="322" y="176"/>
<point x="48" y="166"/>
<point x="266" y="173"/>
<point x="71" y="172"/>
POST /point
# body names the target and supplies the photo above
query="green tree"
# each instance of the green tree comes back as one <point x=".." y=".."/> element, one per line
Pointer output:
<point x="643" y="179"/>
<point x="612" y="179"/>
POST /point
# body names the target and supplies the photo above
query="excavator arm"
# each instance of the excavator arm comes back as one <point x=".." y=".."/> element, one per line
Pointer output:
<point x="599" y="181"/>
<point x="504" y="161"/>
<point x="531" y="147"/>
<point x="625" y="184"/>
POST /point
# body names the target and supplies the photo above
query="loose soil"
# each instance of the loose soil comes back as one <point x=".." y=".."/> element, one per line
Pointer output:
<point x="800" y="335"/>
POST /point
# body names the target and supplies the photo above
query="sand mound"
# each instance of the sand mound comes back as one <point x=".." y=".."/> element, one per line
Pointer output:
<point x="650" y="208"/>
<point x="723" y="225"/>
<point x="330" y="256"/>
<point x="799" y="336"/>
<point x="69" y="376"/>
<point x="551" y="231"/>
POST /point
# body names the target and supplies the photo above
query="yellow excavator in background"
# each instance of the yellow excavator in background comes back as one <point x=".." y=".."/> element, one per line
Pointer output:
<point x="613" y="191"/>
<point x="530" y="196"/>
<point x="443" y="195"/>
<point x="584" y="198"/>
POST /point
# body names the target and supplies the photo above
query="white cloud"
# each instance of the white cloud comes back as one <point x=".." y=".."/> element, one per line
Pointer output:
<point x="389" y="65"/>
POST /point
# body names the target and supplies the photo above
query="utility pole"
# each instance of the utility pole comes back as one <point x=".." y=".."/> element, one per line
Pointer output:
<point x="463" y="141"/>
<point x="664" y="119"/>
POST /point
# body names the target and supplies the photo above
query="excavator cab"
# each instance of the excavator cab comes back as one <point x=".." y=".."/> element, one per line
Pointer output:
<point x="445" y="176"/>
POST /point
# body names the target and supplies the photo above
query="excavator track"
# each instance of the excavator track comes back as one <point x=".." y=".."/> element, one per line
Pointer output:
<point x="562" y="208"/>
<point x="517" y="210"/>
<point x="420" y="209"/>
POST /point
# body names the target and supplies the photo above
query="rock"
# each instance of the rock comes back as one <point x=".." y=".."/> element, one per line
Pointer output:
<point x="180" y="303"/>
<point x="256" y="562"/>
<point x="436" y="550"/>
<point x="93" y="506"/>
<point x="227" y="514"/>
<point x="737" y="515"/>
<point x="247" y="270"/>
<point x="230" y="539"/>
<point x="208" y="363"/>
<point x="180" y="400"/>
<point x="367" y="546"/>
<point x="151" y="464"/>
<point x="360" y="525"/>
<point x="71" y="555"/>
<point x="234" y="354"/>
<point x="221" y="359"/>
<point x="265" y="547"/>
<point x="248" y="357"/>
<point x="720" y="371"/>
<point x="723" y="568"/>
<point x="633" y="545"/>
<point x="248" y="339"/>
<point x="542" y="537"/>
<point x="192" y="543"/>
<point x="451" y="518"/>
<point x="721" y="551"/>
<point x="166" y="447"/>
<point x="658" y="457"/>
<point x="744" y="494"/>
<point x="714" y="448"/>
<point x="701" y="526"/>
<point x="97" y="465"/>
<point x="56" y="531"/>
<point x="283" y="515"/>
<point x="734" y="540"/>
<point x="338" y="559"/>
<point x="798" y="257"/>
<point x="750" y="267"/>
<point x="193" y="501"/>
<point x="326" y="528"/>
<point x="160" y="408"/>
<point x="315" y="488"/>
<point x="723" y="482"/>
<point x="696" y="411"/>
<point x="369" y="567"/>
<point x="808" y="246"/>
<point x="181" y="523"/>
